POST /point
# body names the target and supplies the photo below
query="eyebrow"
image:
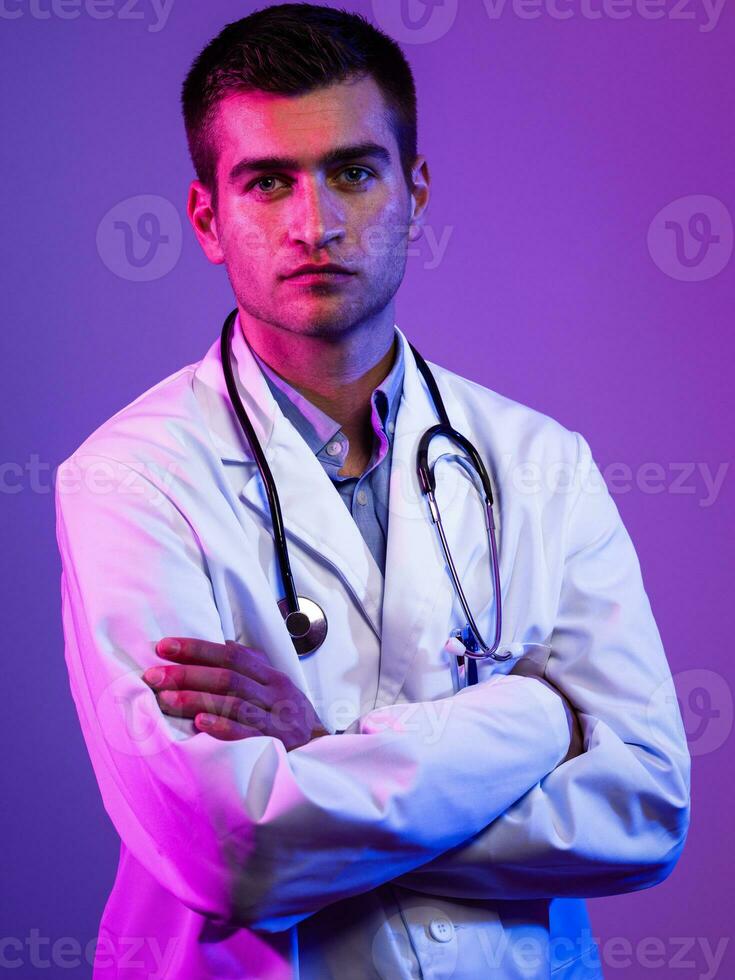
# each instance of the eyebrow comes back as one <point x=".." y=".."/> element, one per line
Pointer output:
<point x="339" y="154"/>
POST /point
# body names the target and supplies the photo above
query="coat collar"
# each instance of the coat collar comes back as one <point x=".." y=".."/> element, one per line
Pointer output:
<point x="415" y="602"/>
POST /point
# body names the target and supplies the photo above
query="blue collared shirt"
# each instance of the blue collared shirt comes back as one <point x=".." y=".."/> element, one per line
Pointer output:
<point x="366" y="496"/>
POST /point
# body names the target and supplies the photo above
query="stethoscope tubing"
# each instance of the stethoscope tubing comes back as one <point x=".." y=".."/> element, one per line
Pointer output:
<point x="427" y="483"/>
<point x="279" y="533"/>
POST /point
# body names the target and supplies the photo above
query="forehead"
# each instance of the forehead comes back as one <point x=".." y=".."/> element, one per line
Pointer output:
<point x="303" y="126"/>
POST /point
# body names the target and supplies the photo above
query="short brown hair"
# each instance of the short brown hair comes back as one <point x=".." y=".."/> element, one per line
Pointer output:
<point x="292" y="49"/>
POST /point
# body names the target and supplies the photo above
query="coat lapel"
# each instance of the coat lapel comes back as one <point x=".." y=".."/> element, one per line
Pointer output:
<point x="314" y="515"/>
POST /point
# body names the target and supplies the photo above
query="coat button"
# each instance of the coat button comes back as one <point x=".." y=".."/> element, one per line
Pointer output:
<point x="442" y="930"/>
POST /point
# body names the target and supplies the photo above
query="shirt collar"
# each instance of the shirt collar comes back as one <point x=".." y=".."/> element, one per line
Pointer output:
<point x="315" y="426"/>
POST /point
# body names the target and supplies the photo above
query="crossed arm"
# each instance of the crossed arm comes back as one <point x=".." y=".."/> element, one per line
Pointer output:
<point x="246" y="830"/>
<point x="613" y="818"/>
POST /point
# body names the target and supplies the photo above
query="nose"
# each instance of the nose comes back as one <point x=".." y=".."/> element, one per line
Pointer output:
<point x="316" y="218"/>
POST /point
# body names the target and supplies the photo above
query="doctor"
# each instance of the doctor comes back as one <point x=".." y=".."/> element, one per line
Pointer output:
<point x="352" y="812"/>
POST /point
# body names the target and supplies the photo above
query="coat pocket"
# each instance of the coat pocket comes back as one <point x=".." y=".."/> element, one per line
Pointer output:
<point x="526" y="658"/>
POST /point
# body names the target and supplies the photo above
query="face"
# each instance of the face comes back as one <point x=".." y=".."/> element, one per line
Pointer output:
<point x="284" y="203"/>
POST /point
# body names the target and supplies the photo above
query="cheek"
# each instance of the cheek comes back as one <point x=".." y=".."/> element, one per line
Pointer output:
<point x="253" y="252"/>
<point x="383" y="232"/>
<point x="245" y="241"/>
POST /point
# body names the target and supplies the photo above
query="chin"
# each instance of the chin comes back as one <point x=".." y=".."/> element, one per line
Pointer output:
<point x="325" y="328"/>
<point x="325" y="324"/>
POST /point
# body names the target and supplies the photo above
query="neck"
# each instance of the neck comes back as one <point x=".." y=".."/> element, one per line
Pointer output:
<point x="337" y="374"/>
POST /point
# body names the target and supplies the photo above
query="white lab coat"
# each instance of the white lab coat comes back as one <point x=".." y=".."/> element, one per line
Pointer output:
<point x="440" y="832"/>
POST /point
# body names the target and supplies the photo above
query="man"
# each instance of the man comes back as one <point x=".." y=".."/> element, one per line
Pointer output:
<point x="349" y="813"/>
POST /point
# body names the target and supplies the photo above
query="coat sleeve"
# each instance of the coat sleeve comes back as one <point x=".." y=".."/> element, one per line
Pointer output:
<point x="244" y="831"/>
<point x="613" y="818"/>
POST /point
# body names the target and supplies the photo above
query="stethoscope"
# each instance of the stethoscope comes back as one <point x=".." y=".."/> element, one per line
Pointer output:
<point x="305" y="620"/>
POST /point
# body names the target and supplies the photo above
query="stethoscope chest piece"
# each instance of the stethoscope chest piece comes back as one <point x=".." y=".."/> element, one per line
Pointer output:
<point x="307" y="627"/>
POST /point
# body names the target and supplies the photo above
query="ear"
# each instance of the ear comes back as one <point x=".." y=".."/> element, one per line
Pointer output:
<point x="204" y="221"/>
<point x="419" y="197"/>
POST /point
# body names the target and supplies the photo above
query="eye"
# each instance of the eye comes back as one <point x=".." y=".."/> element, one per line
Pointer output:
<point x="268" y="191"/>
<point x="359" y="170"/>
<point x="262" y="180"/>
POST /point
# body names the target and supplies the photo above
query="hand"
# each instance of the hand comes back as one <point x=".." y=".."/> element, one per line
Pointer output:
<point x="231" y="692"/>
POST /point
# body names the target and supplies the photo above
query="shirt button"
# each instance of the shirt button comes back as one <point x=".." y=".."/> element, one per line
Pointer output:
<point x="334" y="448"/>
<point x="362" y="497"/>
<point x="442" y="930"/>
<point x="391" y="426"/>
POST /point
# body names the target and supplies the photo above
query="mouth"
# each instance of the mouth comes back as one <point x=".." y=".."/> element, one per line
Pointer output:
<point x="313" y="278"/>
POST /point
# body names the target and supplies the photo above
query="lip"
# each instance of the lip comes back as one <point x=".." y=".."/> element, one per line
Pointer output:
<point x="320" y="273"/>
<point x="319" y="278"/>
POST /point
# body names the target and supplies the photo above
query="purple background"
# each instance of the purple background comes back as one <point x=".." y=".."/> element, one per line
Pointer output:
<point x="552" y="144"/>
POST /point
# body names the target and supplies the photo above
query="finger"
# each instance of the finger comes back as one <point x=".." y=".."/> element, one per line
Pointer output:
<point x="189" y="648"/>
<point x="250" y="722"/>
<point x="255" y="662"/>
<point x="236" y="656"/>
<point x="224" y="728"/>
<point x="216" y="680"/>
<point x="188" y="704"/>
